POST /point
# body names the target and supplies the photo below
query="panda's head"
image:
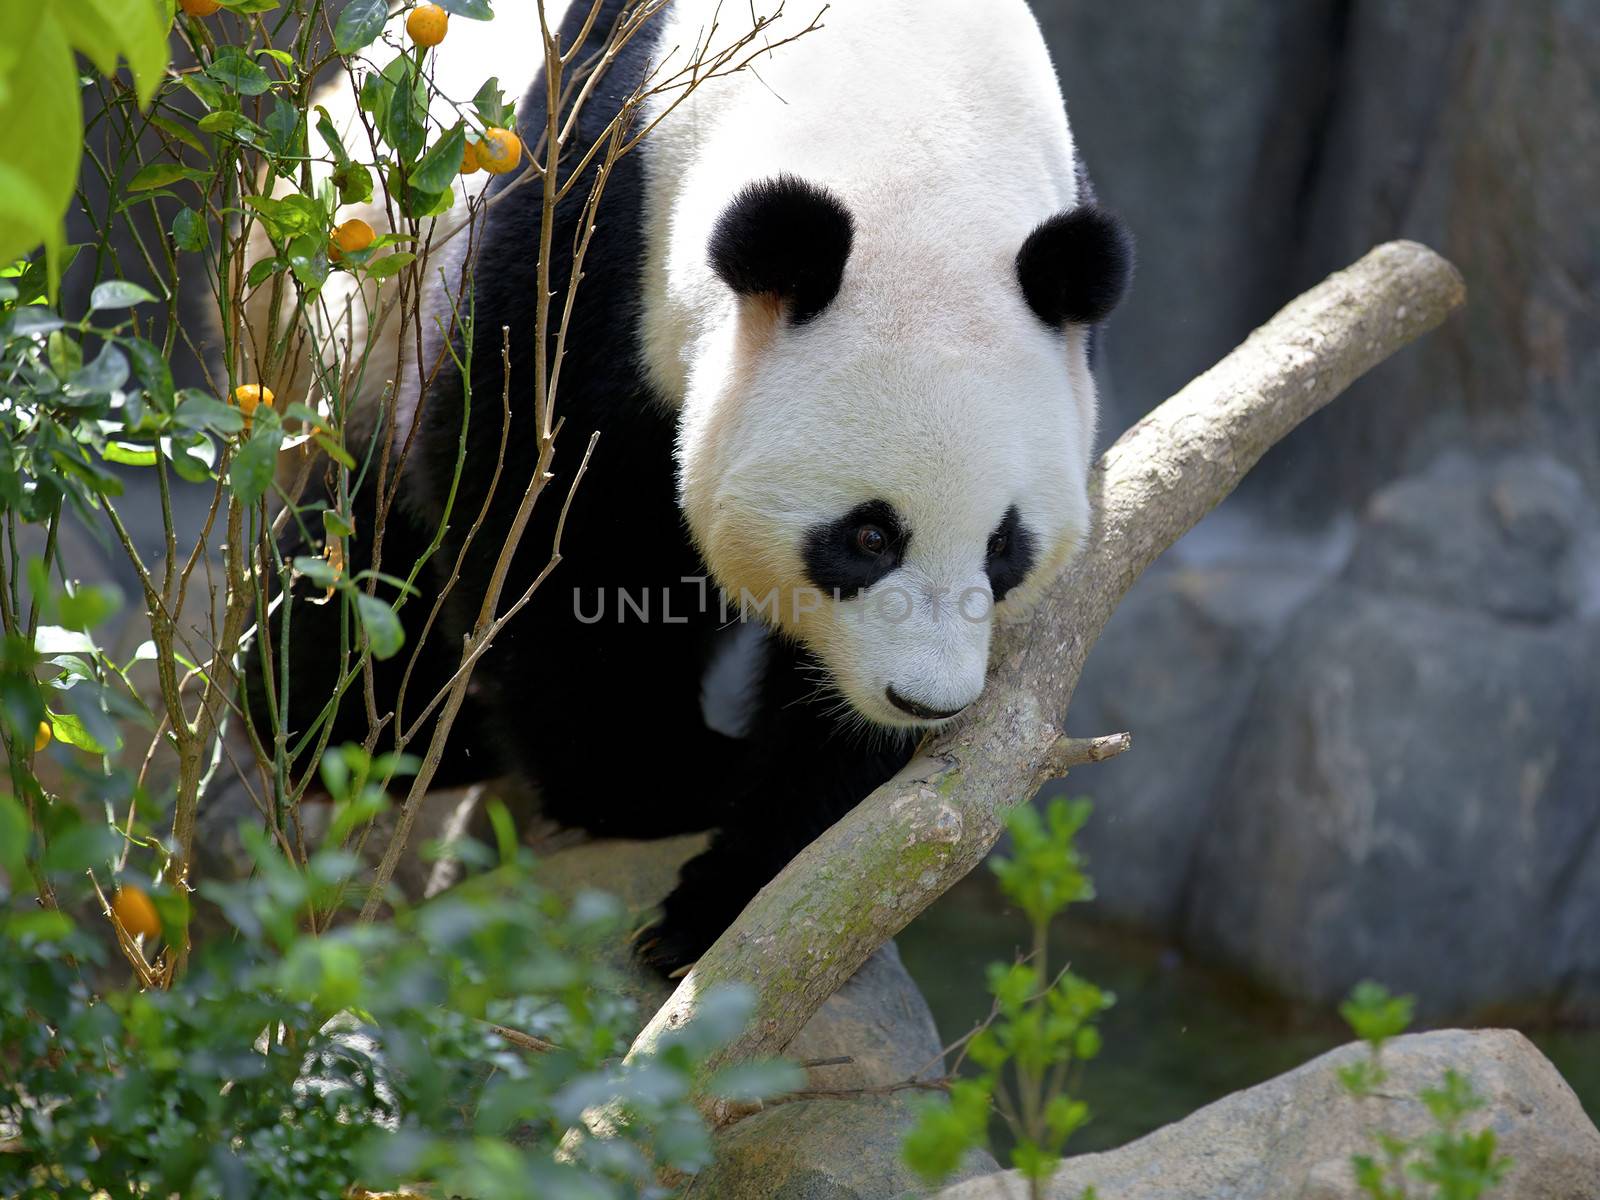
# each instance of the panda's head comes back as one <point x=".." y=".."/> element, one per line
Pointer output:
<point x="883" y="439"/>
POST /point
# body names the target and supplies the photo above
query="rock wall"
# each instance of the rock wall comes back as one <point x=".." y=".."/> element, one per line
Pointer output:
<point x="1365" y="693"/>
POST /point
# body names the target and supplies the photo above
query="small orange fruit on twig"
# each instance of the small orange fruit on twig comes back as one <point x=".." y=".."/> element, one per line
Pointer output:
<point x="42" y="736"/>
<point x="352" y="237"/>
<point x="247" y="396"/>
<point x="469" y="160"/>
<point x="200" y="8"/>
<point x="134" y="910"/>
<point x="427" y="25"/>
<point x="500" y="151"/>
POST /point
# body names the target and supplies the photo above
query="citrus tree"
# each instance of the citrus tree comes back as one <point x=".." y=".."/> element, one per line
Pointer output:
<point x="306" y="1052"/>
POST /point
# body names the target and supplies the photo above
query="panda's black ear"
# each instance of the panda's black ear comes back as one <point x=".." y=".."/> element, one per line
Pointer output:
<point x="787" y="239"/>
<point x="1075" y="267"/>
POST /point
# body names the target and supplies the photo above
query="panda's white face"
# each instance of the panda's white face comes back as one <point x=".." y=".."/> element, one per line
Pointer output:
<point x="875" y="478"/>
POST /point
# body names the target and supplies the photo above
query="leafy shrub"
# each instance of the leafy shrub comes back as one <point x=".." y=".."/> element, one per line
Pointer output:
<point x="460" y="1045"/>
<point x="1450" y="1163"/>
<point x="1042" y="1026"/>
<point x="291" y="1064"/>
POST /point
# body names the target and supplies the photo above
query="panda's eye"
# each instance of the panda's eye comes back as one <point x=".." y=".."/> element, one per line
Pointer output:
<point x="998" y="544"/>
<point x="871" y="540"/>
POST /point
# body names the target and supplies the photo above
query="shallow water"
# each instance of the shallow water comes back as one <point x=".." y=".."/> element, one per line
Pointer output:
<point x="1180" y="1035"/>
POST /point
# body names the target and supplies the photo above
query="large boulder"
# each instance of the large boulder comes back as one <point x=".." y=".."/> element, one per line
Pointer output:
<point x="1412" y="790"/>
<point x="1292" y="1137"/>
<point x="1177" y="665"/>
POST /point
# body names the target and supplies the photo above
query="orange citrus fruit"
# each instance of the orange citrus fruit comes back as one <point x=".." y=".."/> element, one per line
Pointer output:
<point x="42" y="737"/>
<point x="500" y="151"/>
<point x="427" y="25"/>
<point x="352" y="237"/>
<point x="248" y="395"/>
<point x="469" y="160"/>
<point x="134" y="910"/>
<point x="200" y="8"/>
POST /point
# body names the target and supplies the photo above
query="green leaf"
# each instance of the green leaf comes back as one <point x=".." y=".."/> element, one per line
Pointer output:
<point x="161" y="174"/>
<point x="237" y="71"/>
<point x="151" y="367"/>
<point x="66" y="354"/>
<point x="70" y="730"/>
<point x="318" y="570"/>
<point x="129" y="456"/>
<point x="181" y="132"/>
<point x="490" y="105"/>
<point x="389" y="265"/>
<point x="354" y="182"/>
<point x="117" y="293"/>
<point x="106" y="374"/>
<point x="198" y="410"/>
<point x="289" y="216"/>
<point x="308" y="259"/>
<point x="438" y="168"/>
<point x="1374" y="1015"/>
<point x="253" y="465"/>
<point x="359" y="24"/>
<point x="41" y="133"/>
<point x="477" y="10"/>
<point x="88" y="605"/>
<point x="330" y="136"/>
<point x="382" y="625"/>
<point x="283" y="128"/>
<point x="192" y="455"/>
<point x="398" y="100"/>
<point x="204" y="89"/>
<point x="189" y="231"/>
<point x="229" y="124"/>
<point x="104" y="30"/>
<point x="263" y="270"/>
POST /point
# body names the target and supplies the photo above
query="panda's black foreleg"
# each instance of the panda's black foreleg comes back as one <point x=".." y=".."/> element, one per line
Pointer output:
<point x="801" y="771"/>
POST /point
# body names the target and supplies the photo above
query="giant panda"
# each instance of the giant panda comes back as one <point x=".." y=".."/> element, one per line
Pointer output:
<point x="833" y="333"/>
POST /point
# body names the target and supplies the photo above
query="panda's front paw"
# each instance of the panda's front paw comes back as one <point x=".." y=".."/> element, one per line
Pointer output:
<point x="670" y="947"/>
<point x="685" y="931"/>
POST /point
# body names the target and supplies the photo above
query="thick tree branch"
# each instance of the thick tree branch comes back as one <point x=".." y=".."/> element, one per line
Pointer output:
<point x="863" y="880"/>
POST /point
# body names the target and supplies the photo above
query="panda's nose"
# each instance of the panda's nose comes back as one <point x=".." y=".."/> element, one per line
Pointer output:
<point x="921" y="711"/>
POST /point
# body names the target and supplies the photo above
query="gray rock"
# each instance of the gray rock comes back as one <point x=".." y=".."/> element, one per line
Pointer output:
<point x="878" y="1019"/>
<point x="1497" y="538"/>
<point x="1412" y="798"/>
<point x="1292" y="1137"/>
<point x="823" y="1149"/>
<point x="818" y="1150"/>
<point x="1177" y="665"/>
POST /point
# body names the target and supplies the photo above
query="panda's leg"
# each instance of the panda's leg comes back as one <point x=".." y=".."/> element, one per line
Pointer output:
<point x="315" y="631"/>
<point x="657" y="775"/>
<point x="801" y="769"/>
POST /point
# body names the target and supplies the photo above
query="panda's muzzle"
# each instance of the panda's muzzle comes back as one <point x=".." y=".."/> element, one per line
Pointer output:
<point x="921" y="711"/>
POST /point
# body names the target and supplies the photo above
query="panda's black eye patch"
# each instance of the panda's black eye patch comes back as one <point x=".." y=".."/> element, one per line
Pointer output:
<point x="850" y="554"/>
<point x="1010" y="554"/>
<point x="1075" y="266"/>
<point x="787" y="239"/>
